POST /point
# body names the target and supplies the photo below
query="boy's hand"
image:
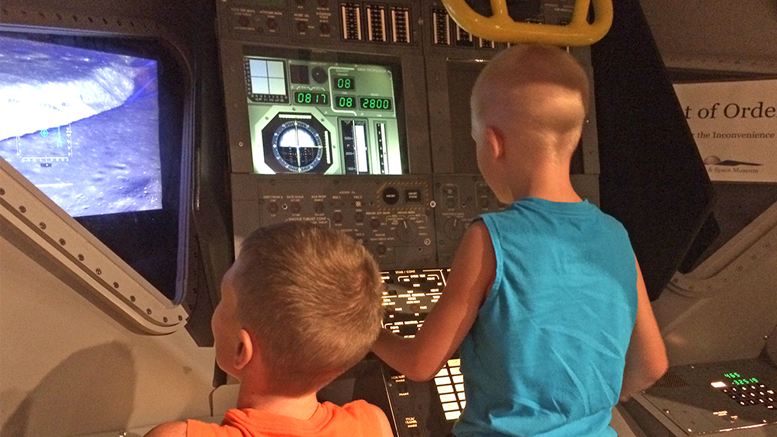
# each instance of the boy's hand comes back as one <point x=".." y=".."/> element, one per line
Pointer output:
<point x="471" y="278"/>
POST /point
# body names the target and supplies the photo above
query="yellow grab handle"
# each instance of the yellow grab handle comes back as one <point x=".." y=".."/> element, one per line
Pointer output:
<point x="500" y="27"/>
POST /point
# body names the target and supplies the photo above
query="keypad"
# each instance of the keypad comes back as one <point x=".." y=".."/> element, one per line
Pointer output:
<point x="752" y="395"/>
<point x="408" y="297"/>
<point x="450" y="388"/>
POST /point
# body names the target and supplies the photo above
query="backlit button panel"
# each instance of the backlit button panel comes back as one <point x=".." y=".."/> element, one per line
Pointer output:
<point x="408" y="296"/>
<point x="754" y="394"/>
<point x="703" y="399"/>
<point x="450" y="387"/>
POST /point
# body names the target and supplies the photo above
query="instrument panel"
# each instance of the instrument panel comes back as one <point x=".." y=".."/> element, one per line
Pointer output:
<point x="396" y="218"/>
<point x="318" y="117"/>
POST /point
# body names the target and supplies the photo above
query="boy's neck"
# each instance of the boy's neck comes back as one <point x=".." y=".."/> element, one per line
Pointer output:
<point x="301" y="407"/>
<point x="548" y="182"/>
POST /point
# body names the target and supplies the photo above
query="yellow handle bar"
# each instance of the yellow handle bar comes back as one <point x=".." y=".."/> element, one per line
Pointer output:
<point x="500" y="27"/>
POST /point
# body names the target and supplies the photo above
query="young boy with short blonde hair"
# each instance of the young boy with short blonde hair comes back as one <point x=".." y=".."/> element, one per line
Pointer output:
<point x="545" y="300"/>
<point x="300" y="305"/>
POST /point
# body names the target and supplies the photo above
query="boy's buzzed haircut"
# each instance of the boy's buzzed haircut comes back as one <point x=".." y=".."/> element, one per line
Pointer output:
<point x="532" y="87"/>
<point x="312" y="297"/>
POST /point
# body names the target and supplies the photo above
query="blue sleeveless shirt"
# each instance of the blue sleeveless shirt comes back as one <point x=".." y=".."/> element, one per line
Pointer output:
<point x="546" y="353"/>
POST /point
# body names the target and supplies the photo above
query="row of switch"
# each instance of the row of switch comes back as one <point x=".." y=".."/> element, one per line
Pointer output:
<point x="450" y="388"/>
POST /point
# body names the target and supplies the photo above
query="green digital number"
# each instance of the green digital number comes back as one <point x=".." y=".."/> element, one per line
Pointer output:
<point x="344" y="83"/>
<point x="308" y="98"/>
<point x="375" y="103"/>
<point x="345" y="102"/>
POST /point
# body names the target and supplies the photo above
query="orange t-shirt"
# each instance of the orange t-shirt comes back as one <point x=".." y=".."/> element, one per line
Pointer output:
<point x="355" y="419"/>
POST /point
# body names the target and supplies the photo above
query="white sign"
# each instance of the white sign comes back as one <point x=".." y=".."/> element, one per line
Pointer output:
<point x="735" y="127"/>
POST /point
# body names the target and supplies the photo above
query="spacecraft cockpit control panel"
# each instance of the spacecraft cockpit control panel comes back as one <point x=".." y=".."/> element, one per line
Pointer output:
<point x="360" y="123"/>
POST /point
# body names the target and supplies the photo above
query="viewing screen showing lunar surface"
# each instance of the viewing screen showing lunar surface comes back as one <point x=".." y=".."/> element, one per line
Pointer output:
<point x="322" y="117"/>
<point x="82" y="125"/>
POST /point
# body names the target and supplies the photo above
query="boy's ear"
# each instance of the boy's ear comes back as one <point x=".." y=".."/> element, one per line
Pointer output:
<point x="245" y="350"/>
<point x="495" y="141"/>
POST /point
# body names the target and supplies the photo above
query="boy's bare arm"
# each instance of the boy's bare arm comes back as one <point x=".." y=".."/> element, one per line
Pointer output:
<point x="646" y="358"/>
<point x="472" y="275"/>
<point x="169" y="429"/>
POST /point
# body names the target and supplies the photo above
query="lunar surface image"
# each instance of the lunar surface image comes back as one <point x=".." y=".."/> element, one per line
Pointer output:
<point x="81" y="125"/>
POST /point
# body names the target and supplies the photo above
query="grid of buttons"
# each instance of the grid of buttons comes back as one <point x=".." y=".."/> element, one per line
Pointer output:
<point x="408" y="297"/>
<point x="754" y="394"/>
<point x="450" y="388"/>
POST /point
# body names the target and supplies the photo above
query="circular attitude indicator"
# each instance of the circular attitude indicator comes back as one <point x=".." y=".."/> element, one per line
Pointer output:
<point x="297" y="146"/>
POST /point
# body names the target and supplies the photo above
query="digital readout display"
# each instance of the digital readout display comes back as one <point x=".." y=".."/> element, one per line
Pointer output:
<point x="378" y="103"/>
<point x="345" y="102"/>
<point x="343" y="83"/>
<point x="310" y="98"/>
<point x="738" y="380"/>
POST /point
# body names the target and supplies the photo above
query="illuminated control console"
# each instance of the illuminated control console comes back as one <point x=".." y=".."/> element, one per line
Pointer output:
<point x="419" y="409"/>
<point x="408" y="296"/>
<point x="450" y="387"/>
<point x="716" y="397"/>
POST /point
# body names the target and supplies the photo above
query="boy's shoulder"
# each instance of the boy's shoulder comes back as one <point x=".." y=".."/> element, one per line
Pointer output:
<point x="366" y="412"/>
<point x="169" y="429"/>
<point x="339" y="420"/>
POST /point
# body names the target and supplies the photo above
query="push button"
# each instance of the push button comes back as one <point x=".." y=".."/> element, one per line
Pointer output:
<point x="390" y="196"/>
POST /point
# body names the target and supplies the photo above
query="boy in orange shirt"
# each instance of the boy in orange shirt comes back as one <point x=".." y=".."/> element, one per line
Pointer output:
<point x="300" y="306"/>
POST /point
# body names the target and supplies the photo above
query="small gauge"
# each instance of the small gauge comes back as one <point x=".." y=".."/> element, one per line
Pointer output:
<point x="319" y="75"/>
<point x="297" y="146"/>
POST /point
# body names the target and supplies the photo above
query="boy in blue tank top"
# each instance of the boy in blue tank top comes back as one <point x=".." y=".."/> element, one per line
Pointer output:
<point x="545" y="300"/>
